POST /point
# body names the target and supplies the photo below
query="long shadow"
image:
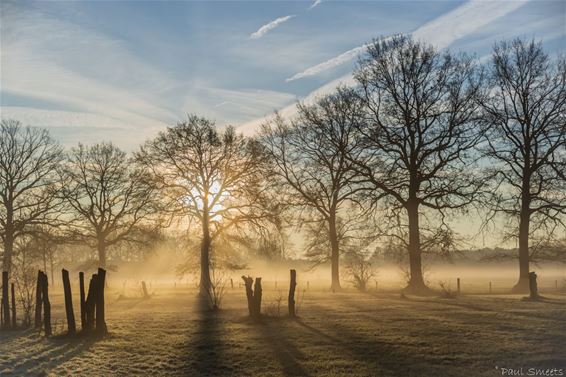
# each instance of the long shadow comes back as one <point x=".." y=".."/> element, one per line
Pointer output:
<point x="203" y="354"/>
<point x="287" y="354"/>
<point x="56" y="351"/>
<point x="381" y="357"/>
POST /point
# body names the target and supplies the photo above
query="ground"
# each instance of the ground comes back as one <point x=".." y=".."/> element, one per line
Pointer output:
<point x="336" y="334"/>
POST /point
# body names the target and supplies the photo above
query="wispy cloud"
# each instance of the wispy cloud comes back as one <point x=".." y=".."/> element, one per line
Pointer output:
<point x="270" y="26"/>
<point x="316" y="3"/>
<point x="51" y="60"/>
<point x="469" y="17"/>
<point x="441" y="31"/>
<point x="334" y="62"/>
<point x="464" y="20"/>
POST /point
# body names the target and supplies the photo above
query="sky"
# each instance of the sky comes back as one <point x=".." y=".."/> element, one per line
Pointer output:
<point x="121" y="71"/>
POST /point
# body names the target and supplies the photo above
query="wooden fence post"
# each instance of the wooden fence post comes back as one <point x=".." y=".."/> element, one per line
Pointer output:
<point x="13" y="307"/>
<point x="489" y="287"/>
<point x="46" y="305"/>
<point x="533" y="288"/>
<point x="144" y="290"/>
<point x="38" y="300"/>
<point x="257" y="297"/>
<point x="458" y="282"/>
<point x="71" y="326"/>
<point x="292" y="286"/>
<point x="100" y="317"/>
<point x="248" y="281"/>
<point x="90" y="303"/>
<point x="5" y="300"/>
<point x="82" y="298"/>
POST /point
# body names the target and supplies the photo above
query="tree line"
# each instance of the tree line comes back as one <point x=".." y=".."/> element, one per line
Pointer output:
<point x="423" y="136"/>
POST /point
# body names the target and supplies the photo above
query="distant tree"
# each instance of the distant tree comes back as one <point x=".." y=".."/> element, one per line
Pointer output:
<point x="421" y="129"/>
<point x="526" y="142"/>
<point x="28" y="162"/>
<point x="211" y="177"/>
<point x="359" y="269"/>
<point x="309" y="156"/>
<point x="107" y="194"/>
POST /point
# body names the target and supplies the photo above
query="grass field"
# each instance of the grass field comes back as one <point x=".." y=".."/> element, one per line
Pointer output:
<point x="340" y="334"/>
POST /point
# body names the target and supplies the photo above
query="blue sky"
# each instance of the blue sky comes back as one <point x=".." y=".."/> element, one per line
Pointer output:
<point x="122" y="70"/>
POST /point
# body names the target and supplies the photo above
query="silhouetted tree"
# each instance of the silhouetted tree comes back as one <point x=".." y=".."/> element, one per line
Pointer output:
<point x="107" y="194"/>
<point x="210" y="177"/>
<point x="309" y="155"/>
<point x="526" y="142"/>
<point x="28" y="162"/>
<point x="422" y="125"/>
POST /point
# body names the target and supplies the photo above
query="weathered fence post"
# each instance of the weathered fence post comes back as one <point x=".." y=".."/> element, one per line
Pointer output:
<point x="5" y="300"/>
<point x="489" y="287"/>
<point x="82" y="298"/>
<point x="13" y="307"/>
<point x="46" y="305"/>
<point x="458" y="283"/>
<point x="292" y="286"/>
<point x="100" y="318"/>
<point x="257" y="297"/>
<point x="71" y="326"/>
<point x="90" y="303"/>
<point x="232" y="283"/>
<point x="38" y="300"/>
<point x="533" y="288"/>
<point x="248" y="281"/>
<point x="144" y="289"/>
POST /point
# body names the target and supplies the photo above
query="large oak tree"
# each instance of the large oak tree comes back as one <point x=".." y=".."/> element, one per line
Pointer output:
<point x="28" y="162"/>
<point x="526" y="142"/>
<point x="209" y="176"/>
<point x="422" y="124"/>
<point x="107" y="194"/>
<point x="310" y="158"/>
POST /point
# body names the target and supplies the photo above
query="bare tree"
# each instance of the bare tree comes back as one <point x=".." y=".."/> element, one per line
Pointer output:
<point x="108" y="196"/>
<point x="359" y="269"/>
<point x="526" y="142"/>
<point x="309" y="155"/>
<point x="28" y="162"/>
<point x="207" y="176"/>
<point x="422" y="126"/>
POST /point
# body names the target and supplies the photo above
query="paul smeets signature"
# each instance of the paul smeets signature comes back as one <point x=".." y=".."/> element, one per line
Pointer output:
<point x="531" y="371"/>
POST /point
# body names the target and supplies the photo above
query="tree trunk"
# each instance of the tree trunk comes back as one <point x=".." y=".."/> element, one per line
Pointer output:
<point x="335" y="253"/>
<point x="82" y="298"/>
<point x="8" y="241"/>
<point x="292" y="286"/>
<point x="71" y="326"/>
<point x="5" y="300"/>
<point x="100" y="315"/>
<point x="205" y="282"/>
<point x="416" y="282"/>
<point x="46" y="305"/>
<point x="101" y="253"/>
<point x="13" y="307"/>
<point x="522" y="285"/>
<point x="38" y="300"/>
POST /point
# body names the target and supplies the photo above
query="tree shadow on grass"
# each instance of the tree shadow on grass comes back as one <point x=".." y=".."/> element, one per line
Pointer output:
<point x="377" y="356"/>
<point x="48" y="352"/>
<point x="287" y="354"/>
<point x="203" y="354"/>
